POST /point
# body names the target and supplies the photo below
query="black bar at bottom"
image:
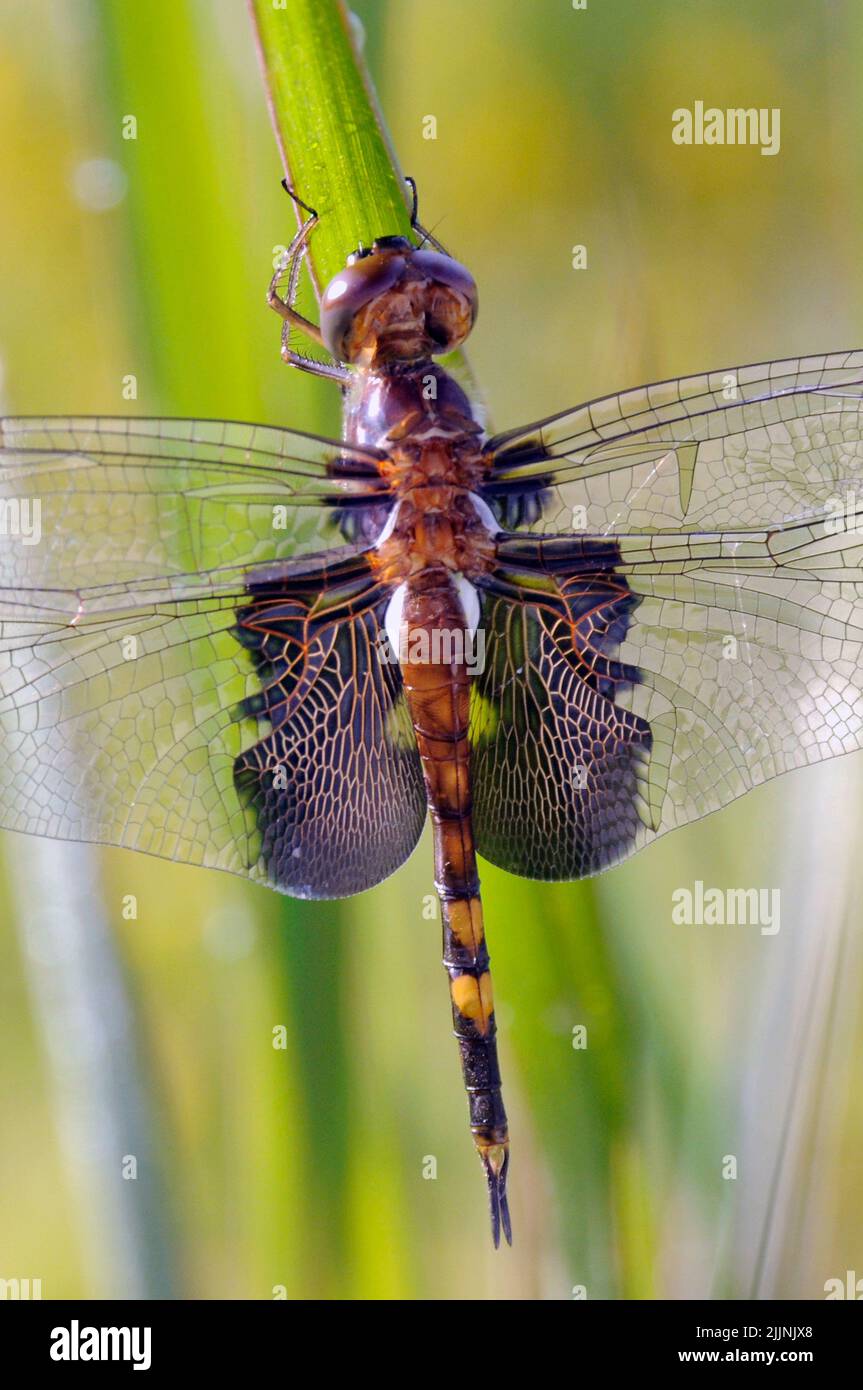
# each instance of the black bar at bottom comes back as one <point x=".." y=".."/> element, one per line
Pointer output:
<point x="72" y="1338"/>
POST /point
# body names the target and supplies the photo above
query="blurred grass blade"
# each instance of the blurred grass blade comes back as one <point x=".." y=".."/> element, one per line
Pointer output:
<point x="798" y="1040"/>
<point x="101" y="1107"/>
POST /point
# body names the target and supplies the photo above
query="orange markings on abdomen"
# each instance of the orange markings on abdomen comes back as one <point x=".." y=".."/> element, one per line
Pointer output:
<point x="473" y="999"/>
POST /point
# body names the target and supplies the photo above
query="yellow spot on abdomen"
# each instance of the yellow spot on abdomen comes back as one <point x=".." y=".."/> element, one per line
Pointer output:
<point x="473" y="998"/>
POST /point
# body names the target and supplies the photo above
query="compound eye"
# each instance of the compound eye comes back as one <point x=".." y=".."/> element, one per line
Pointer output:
<point x="443" y="270"/>
<point x="452" y="301"/>
<point x="349" y="292"/>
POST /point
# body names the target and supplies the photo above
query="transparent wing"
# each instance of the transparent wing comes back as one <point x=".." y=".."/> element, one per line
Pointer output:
<point x="99" y="500"/>
<point x="748" y="446"/>
<point x="634" y="685"/>
<point x="750" y="657"/>
<point x="245" y="720"/>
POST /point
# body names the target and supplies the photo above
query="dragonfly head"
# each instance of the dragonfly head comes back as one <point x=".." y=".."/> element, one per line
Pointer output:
<point x="395" y="303"/>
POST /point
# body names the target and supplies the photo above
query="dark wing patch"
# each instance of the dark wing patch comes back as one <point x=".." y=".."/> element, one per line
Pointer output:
<point x="336" y="786"/>
<point x="557" y="762"/>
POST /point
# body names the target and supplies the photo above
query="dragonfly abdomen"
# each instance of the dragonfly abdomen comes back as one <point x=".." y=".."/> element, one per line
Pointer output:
<point x="435" y="645"/>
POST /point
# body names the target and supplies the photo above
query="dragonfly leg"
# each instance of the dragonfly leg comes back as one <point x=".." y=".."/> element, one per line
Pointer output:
<point x="331" y="370"/>
<point x="417" y="225"/>
<point x="291" y="262"/>
<point x="283" y="303"/>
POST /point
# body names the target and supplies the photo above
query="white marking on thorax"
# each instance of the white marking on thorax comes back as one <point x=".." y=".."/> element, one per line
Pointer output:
<point x="389" y="525"/>
<point x="469" y="600"/>
<point x="393" y="619"/>
<point x="485" y="514"/>
<point x="435" y="432"/>
<point x="480" y="506"/>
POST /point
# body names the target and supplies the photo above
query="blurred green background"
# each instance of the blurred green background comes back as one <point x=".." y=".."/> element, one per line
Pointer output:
<point x="302" y="1169"/>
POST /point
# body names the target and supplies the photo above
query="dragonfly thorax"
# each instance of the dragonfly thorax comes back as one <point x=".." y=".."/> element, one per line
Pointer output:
<point x="435" y="529"/>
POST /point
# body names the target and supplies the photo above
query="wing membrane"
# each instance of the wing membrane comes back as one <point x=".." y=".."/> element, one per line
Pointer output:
<point x="750" y="654"/>
<point x="122" y="498"/>
<point x="747" y="446"/>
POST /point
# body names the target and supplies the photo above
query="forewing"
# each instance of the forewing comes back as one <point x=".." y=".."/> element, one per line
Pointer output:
<point x="147" y="715"/>
<point x="89" y="501"/>
<point x="746" y="446"/>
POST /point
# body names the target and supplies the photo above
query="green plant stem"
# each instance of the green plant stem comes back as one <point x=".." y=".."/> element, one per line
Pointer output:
<point x="335" y="153"/>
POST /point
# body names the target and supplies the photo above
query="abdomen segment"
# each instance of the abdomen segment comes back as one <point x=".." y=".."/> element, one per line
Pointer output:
<point x="434" y="652"/>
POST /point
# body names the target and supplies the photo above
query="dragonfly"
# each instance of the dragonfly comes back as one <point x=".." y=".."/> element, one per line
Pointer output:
<point x="559" y="642"/>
